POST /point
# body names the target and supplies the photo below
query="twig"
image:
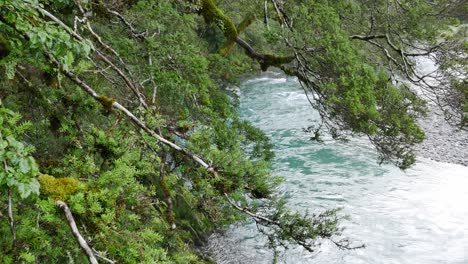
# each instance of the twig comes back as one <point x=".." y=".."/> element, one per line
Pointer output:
<point x="98" y="254"/>
<point x="109" y="131"/>
<point x="252" y="214"/>
<point x="140" y="35"/>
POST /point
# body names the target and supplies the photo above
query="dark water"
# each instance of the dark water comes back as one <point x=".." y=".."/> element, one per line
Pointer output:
<point x="417" y="216"/>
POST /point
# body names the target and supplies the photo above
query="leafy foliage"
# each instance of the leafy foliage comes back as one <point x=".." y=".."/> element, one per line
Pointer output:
<point x="19" y="167"/>
<point x="70" y="67"/>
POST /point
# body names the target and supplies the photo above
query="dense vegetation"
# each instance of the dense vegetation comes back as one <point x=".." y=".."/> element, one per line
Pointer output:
<point x="117" y="111"/>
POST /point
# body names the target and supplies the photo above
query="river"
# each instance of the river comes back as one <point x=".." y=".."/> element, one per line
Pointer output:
<point x="417" y="216"/>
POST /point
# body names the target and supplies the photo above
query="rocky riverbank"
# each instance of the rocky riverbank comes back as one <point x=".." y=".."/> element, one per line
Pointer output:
<point x="443" y="142"/>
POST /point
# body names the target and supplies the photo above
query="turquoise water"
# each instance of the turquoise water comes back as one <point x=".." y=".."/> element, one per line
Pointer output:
<point x="417" y="216"/>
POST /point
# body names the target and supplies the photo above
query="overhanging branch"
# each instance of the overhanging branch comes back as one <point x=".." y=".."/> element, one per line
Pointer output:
<point x="265" y="60"/>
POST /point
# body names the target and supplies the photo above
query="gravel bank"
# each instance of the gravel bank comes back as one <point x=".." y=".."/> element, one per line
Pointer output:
<point x="443" y="142"/>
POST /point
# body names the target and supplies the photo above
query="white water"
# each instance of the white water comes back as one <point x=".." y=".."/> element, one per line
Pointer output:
<point x="419" y="216"/>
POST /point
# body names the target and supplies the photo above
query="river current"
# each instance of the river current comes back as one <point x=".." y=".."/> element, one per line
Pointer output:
<point x="419" y="216"/>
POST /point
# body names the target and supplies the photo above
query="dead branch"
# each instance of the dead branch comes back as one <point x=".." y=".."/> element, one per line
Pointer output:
<point x="71" y="222"/>
<point x="282" y="16"/>
<point x="10" y="217"/>
<point x="393" y="46"/>
<point x="265" y="14"/>
<point x="10" y="209"/>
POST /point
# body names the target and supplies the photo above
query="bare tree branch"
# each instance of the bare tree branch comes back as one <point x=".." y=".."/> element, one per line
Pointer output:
<point x="10" y="208"/>
<point x="71" y="222"/>
<point x="265" y="14"/>
<point x="10" y="216"/>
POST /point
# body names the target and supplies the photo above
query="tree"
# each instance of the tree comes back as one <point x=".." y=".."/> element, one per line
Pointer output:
<point x="131" y="119"/>
<point x="354" y="91"/>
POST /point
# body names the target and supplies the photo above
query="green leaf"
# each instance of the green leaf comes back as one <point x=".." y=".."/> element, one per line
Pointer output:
<point x="42" y="36"/>
<point x="26" y="189"/>
<point x="24" y="165"/>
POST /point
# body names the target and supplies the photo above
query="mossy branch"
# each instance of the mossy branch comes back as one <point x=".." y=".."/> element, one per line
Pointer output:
<point x="265" y="60"/>
<point x="212" y="14"/>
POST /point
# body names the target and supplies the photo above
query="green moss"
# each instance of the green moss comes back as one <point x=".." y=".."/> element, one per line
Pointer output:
<point x="212" y="14"/>
<point x="273" y="60"/>
<point x="106" y="101"/>
<point x="59" y="188"/>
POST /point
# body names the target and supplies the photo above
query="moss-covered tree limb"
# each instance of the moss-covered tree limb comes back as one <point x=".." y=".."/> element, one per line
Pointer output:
<point x="265" y="60"/>
<point x="212" y="14"/>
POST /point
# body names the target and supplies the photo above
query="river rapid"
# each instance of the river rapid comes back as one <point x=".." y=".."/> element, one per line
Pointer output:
<point x="417" y="216"/>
